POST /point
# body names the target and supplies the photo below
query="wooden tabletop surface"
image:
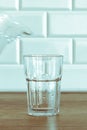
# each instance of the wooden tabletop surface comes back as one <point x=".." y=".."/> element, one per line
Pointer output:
<point x="13" y="113"/>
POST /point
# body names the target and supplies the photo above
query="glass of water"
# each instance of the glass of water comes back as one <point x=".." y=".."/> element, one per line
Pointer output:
<point x="43" y="76"/>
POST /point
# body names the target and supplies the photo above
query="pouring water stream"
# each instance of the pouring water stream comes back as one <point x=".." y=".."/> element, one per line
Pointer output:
<point x="10" y="30"/>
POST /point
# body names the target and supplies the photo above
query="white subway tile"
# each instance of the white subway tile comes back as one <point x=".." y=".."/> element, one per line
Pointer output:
<point x="80" y="4"/>
<point x="48" y="46"/>
<point x="8" y="55"/>
<point x="74" y="78"/>
<point x="7" y="4"/>
<point x="67" y="24"/>
<point x="46" y="4"/>
<point x="81" y="51"/>
<point x="12" y="78"/>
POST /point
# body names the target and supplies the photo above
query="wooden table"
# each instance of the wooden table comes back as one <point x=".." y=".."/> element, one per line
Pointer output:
<point x="13" y="113"/>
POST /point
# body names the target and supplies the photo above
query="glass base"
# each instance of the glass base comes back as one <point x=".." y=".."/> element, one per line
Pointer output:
<point x="40" y="112"/>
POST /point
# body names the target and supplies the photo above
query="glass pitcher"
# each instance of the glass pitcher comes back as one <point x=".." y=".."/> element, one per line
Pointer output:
<point x="10" y="30"/>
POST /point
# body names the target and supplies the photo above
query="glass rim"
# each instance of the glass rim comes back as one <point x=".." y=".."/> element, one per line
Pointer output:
<point x="43" y="55"/>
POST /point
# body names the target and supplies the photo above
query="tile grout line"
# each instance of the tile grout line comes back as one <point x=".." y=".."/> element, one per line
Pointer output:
<point x="73" y="5"/>
<point x="45" y="24"/>
<point x="70" y="4"/>
<point x="18" y="4"/>
<point x="73" y="51"/>
<point x="18" y="51"/>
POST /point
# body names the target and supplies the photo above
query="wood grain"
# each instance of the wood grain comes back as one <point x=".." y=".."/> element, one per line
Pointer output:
<point x="13" y="113"/>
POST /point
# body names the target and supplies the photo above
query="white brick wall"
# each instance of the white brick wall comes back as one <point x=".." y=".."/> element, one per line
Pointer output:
<point x="57" y="26"/>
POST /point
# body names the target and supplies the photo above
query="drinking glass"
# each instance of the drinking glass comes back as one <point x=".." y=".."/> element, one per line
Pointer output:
<point x="43" y="76"/>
